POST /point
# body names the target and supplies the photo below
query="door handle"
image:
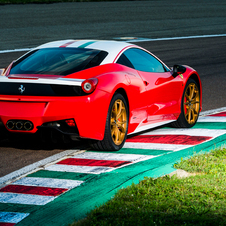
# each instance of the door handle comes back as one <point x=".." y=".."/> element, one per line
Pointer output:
<point x="146" y="83"/>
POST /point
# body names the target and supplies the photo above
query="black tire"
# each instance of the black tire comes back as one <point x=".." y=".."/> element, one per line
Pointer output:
<point x="190" y="106"/>
<point x="116" y="127"/>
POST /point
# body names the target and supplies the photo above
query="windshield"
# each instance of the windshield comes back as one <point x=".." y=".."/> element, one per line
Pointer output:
<point x="58" y="61"/>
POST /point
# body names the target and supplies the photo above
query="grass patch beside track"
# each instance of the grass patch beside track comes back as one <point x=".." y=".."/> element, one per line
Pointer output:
<point x="195" y="200"/>
<point x="2" y="2"/>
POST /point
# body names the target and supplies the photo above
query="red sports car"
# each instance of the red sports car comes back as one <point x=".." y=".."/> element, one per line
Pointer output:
<point x="100" y="90"/>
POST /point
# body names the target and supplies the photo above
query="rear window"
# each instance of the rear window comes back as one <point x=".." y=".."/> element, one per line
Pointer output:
<point x="58" y="61"/>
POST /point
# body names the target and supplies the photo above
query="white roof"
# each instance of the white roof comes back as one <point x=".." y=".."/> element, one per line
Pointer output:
<point x="112" y="47"/>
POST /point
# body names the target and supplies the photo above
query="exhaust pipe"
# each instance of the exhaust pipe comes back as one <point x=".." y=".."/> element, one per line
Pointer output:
<point x="28" y="125"/>
<point x="19" y="125"/>
<point x="10" y="124"/>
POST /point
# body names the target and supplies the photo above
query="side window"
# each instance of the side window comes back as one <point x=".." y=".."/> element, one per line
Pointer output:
<point x="143" y="61"/>
<point x="124" y="61"/>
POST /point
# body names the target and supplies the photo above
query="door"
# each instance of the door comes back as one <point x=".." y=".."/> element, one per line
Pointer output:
<point x="163" y="91"/>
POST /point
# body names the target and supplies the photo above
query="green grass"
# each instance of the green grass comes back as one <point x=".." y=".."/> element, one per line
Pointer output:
<point x="195" y="200"/>
<point x="49" y="1"/>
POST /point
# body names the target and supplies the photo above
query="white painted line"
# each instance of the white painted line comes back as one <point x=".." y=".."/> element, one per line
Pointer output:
<point x="27" y="169"/>
<point x="134" y="39"/>
<point x="79" y="169"/>
<point x="48" y="182"/>
<point x="12" y="217"/>
<point x="211" y="112"/>
<point x="154" y="146"/>
<point x="15" y="50"/>
<point x="25" y="199"/>
<point x="212" y="119"/>
<point x="112" y="156"/>
<point x="176" y="38"/>
<point x="188" y="132"/>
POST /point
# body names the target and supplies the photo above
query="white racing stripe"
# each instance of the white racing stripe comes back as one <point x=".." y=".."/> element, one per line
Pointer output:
<point x="112" y="156"/>
<point x="155" y="146"/>
<point x="189" y="132"/>
<point x="25" y="199"/>
<point x="48" y="182"/>
<point x="59" y="81"/>
<point x="79" y="169"/>
<point x="12" y="217"/>
<point x="212" y="119"/>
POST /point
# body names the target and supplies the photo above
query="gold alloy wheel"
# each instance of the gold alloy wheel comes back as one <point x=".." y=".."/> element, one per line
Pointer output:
<point x="118" y="122"/>
<point x="191" y="103"/>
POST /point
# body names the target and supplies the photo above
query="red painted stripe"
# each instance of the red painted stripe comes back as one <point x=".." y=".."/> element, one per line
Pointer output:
<point x="169" y="139"/>
<point x="93" y="162"/>
<point x="223" y="114"/>
<point x="32" y="190"/>
<point x="67" y="44"/>
<point x="7" y="224"/>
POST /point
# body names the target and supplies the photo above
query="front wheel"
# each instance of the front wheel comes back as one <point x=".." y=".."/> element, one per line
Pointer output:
<point x="116" y="125"/>
<point x="190" y="106"/>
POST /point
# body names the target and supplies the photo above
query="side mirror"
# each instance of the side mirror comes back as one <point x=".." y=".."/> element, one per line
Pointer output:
<point x="178" y="69"/>
<point x="1" y="71"/>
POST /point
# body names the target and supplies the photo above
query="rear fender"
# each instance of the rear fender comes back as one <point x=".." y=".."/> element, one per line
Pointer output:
<point x="132" y="87"/>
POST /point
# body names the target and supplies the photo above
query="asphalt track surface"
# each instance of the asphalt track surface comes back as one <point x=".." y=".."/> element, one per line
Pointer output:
<point x="25" y="26"/>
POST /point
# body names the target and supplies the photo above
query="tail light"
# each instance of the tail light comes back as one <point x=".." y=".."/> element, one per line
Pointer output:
<point x="89" y="85"/>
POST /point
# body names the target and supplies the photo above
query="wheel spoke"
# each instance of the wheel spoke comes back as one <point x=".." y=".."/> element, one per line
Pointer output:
<point x="121" y="128"/>
<point x="112" y="121"/>
<point x="121" y="123"/>
<point x="115" y="108"/>
<point x="114" y="134"/>
<point x="188" y="115"/>
<point x="189" y="92"/>
<point x="194" y="102"/>
<point x="192" y="91"/>
<point x="119" y="104"/>
<point x="186" y="95"/>
<point x="121" y="136"/>
<point x="196" y="95"/>
<point x="121" y="113"/>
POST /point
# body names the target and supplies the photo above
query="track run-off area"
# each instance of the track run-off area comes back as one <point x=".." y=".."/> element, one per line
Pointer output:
<point x="65" y="190"/>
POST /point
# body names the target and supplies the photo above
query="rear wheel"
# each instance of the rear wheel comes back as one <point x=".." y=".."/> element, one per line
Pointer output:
<point x="116" y="125"/>
<point x="190" y="106"/>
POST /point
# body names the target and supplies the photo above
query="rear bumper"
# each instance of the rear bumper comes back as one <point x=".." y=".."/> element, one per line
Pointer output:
<point x="89" y="112"/>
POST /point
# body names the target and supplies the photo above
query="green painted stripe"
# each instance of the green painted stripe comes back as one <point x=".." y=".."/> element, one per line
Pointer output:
<point x="8" y="207"/>
<point x="62" y="175"/>
<point x="86" y="44"/>
<point x="138" y="151"/>
<point x="210" y="125"/>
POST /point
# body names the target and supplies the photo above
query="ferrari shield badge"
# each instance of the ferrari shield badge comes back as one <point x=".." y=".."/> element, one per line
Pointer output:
<point x="21" y="89"/>
<point x="181" y="75"/>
